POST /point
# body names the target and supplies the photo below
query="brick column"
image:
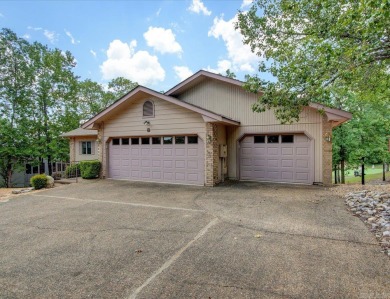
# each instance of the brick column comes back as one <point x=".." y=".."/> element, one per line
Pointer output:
<point x="101" y="152"/>
<point x="72" y="149"/>
<point x="326" y="151"/>
<point x="212" y="157"/>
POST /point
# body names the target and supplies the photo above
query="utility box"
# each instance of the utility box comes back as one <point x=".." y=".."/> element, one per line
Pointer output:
<point x="222" y="150"/>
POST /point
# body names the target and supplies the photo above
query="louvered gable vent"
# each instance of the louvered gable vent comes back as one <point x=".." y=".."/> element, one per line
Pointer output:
<point x="148" y="109"/>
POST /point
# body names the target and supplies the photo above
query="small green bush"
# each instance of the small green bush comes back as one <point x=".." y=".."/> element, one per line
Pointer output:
<point x="39" y="181"/>
<point x="90" y="169"/>
<point x="72" y="171"/>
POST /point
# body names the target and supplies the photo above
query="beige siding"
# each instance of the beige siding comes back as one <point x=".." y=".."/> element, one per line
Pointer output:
<point x="81" y="157"/>
<point x="233" y="102"/>
<point x="169" y="119"/>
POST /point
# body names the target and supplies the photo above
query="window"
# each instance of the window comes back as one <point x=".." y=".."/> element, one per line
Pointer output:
<point x="115" y="141"/>
<point x="145" y="140"/>
<point x="148" y="109"/>
<point x="287" y="138"/>
<point x="86" y="147"/>
<point x="273" y="139"/>
<point x="125" y="141"/>
<point x="180" y="140"/>
<point x="134" y="140"/>
<point x="259" y="139"/>
<point x="156" y="140"/>
<point x="192" y="139"/>
<point x="167" y="140"/>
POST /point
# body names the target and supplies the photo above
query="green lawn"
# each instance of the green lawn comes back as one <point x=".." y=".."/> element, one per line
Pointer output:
<point x="371" y="174"/>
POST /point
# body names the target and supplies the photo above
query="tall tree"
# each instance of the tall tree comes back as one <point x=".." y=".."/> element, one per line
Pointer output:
<point x="53" y="90"/>
<point x="15" y="91"/>
<point x="318" y="50"/>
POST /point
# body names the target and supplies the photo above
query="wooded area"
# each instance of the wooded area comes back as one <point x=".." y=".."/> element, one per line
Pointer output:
<point x="41" y="98"/>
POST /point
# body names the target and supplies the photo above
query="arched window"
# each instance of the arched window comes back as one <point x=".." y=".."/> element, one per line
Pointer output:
<point x="148" y="110"/>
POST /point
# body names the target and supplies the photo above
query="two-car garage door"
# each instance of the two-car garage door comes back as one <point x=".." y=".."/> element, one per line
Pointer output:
<point x="166" y="159"/>
<point x="277" y="158"/>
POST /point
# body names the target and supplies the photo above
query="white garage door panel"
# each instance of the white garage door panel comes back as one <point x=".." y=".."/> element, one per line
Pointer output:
<point x="166" y="163"/>
<point x="277" y="162"/>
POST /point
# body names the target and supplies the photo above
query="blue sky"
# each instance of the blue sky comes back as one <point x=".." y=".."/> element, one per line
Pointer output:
<point x="155" y="43"/>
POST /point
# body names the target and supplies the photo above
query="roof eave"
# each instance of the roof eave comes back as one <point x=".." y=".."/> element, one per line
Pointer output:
<point x="182" y="86"/>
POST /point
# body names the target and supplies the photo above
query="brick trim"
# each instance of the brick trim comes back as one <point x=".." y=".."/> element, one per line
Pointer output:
<point x="326" y="151"/>
<point x="212" y="157"/>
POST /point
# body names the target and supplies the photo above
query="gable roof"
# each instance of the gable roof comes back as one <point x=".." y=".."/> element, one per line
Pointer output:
<point x="80" y="132"/>
<point x="141" y="91"/>
<point x="197" y="78"/>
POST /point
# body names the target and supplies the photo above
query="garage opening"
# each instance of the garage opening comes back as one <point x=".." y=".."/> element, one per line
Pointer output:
<point x="165" y="159"/>
<point x="277" y="158"/>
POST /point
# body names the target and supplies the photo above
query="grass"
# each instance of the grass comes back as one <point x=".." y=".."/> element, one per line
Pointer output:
<point x="371" y="174"/>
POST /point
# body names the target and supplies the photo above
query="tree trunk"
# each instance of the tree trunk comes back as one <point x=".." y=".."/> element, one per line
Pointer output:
<point x="335" y="174"/>
<point x="342" y="171"/>
<point x="8" y="180"/>
<point x="384" y="172"/>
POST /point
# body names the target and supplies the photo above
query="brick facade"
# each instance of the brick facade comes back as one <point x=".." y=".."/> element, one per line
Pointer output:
<point x="212" y="155"/>
<point x="326" y="151"/>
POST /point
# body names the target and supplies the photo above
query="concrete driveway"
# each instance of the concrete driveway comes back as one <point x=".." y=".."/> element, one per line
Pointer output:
<point x="117" y="239"/>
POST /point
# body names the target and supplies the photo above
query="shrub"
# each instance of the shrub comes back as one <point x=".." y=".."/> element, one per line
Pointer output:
<point x="72" y="171"/>
<point x="39" y="181"/>
<point x="90" y="169"/>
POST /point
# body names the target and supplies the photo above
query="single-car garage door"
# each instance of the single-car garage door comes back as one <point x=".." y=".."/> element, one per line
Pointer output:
<point x="167" y="159"/>
<point x="277" y="158"/>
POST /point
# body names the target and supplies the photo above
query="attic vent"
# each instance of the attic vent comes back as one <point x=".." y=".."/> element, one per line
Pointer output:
<point x="148" y="110"/>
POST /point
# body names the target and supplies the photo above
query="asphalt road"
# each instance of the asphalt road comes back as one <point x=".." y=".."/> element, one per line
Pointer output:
<point x="117" y="239"/>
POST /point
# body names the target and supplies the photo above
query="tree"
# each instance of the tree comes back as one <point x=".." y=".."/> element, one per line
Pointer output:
<point x="16" y="79"/>
<point x="120" y="86"/>
<point x="53" y="90"/>
<point x="366" y="134"/>
<point x="317" y="51"/>
<point x="93" y="98"/>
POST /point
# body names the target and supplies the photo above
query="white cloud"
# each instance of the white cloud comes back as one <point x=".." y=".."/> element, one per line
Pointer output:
<point x="162" y="40"/>
<point x="50" y="35"/>
<point x="26" y="36"/>
<point x="197" y="6"/>
<point x="72" y="39"/>
<point x="93" y="53"/>
<point x="139" y="66"/>
<point x="158" y="12"/>
<point x="246" y="3"/>
<point x="34" y="28"/>
<point x="238" y="53"/>
<point x="222" y="67"/>
<point x="1" y="15"/>
<point x="183" y="72"/>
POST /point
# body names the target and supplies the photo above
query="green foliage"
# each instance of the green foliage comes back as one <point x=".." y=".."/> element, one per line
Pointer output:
<point x="41" y="98"/>
<point x="366" y="134"/>
<point x="318" y="51"/>
<point x="72" y="171"/>
<point x="38" y="181"/>
<point x="90" y="169"/>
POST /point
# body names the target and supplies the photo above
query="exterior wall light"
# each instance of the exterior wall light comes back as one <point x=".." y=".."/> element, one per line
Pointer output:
<point x="147" y="123"/>
<point x="328" y="138"/>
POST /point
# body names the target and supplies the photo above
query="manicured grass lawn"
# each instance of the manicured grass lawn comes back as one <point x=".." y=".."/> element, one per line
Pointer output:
<point x="371" y="174"/>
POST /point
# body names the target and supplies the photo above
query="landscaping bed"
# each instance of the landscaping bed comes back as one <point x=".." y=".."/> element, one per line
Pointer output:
<point x="371" y="203"/>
